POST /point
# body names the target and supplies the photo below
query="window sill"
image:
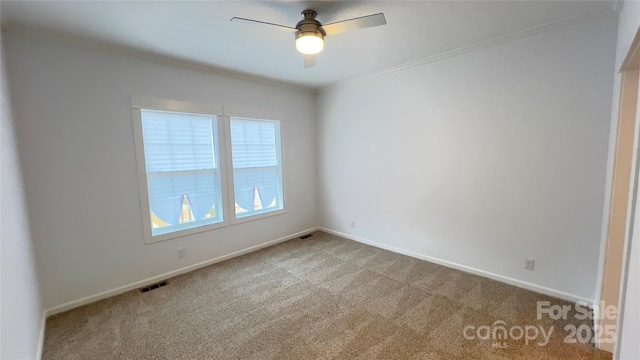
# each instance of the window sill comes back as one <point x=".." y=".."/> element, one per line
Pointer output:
<point x="236" y="221"/>
<point x="185" y="232"/>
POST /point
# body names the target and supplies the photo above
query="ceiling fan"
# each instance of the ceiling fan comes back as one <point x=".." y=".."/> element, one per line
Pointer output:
<point x="310" y="32"/>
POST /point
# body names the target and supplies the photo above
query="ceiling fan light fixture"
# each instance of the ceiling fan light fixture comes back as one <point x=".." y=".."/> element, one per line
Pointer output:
<point x="309" y="43"/>
<point x="310" y="32"/>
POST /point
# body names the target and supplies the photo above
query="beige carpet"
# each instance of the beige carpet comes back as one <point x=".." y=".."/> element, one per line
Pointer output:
<point x="320" y="298"/>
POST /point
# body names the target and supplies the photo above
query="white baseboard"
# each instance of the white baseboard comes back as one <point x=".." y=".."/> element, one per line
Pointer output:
<point x="109" y="293"/>
<point x="43" y="322"/>
<point x="505" y="279"/>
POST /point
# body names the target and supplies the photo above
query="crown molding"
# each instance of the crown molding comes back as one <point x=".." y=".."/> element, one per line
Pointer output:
<point x="158" y="58"/>
<point x="519" y="35"/>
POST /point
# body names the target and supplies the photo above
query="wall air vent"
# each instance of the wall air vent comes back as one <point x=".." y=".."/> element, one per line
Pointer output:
<point x="153" y="286"/>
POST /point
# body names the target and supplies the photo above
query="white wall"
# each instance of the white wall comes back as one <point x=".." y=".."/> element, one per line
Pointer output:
<point x="481" y="159"/>
<point x="77" y="147"/>
<point x="629" y="348"/>
<point x="20" y="299"/>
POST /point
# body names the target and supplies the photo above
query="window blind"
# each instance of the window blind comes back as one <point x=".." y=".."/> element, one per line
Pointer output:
<point x="181" y="162"/>
<point x="255" y="146"/>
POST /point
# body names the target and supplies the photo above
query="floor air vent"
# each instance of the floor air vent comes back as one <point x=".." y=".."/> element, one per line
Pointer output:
<point x="306" y="236"/>
<point x="153" y="286"/>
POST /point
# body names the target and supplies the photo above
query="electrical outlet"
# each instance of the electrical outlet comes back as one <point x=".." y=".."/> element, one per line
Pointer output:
<point x="528" y="264"/>
<point x="353" y="224"/>
<point x="181" y="252"/>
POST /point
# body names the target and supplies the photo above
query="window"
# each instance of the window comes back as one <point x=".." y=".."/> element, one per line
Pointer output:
<point x="257" y="166"/>
<point x="183" y="176"/>
<point x="190" y="182"/>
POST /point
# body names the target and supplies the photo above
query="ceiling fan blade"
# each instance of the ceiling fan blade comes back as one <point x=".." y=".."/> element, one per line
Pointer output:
<point x="354" y="24"/>
<point x="258" y="22"/>
<point x="309" y="61"/>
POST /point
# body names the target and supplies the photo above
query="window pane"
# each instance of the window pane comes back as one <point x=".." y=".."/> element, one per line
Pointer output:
<point x="183" y="178"/>
<point x="253" y="143"/>
<point x="257" y="170"/>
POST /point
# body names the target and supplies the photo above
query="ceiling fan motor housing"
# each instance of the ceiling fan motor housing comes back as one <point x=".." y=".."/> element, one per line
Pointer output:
<point x="309" y="25"/>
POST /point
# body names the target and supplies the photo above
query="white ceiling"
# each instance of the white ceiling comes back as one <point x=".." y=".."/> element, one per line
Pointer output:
<point x="200" y="32"/>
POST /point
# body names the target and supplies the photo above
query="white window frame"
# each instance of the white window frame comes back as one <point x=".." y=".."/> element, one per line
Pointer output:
<point x="230" y="180"/>
<point x="225" y="156"/>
